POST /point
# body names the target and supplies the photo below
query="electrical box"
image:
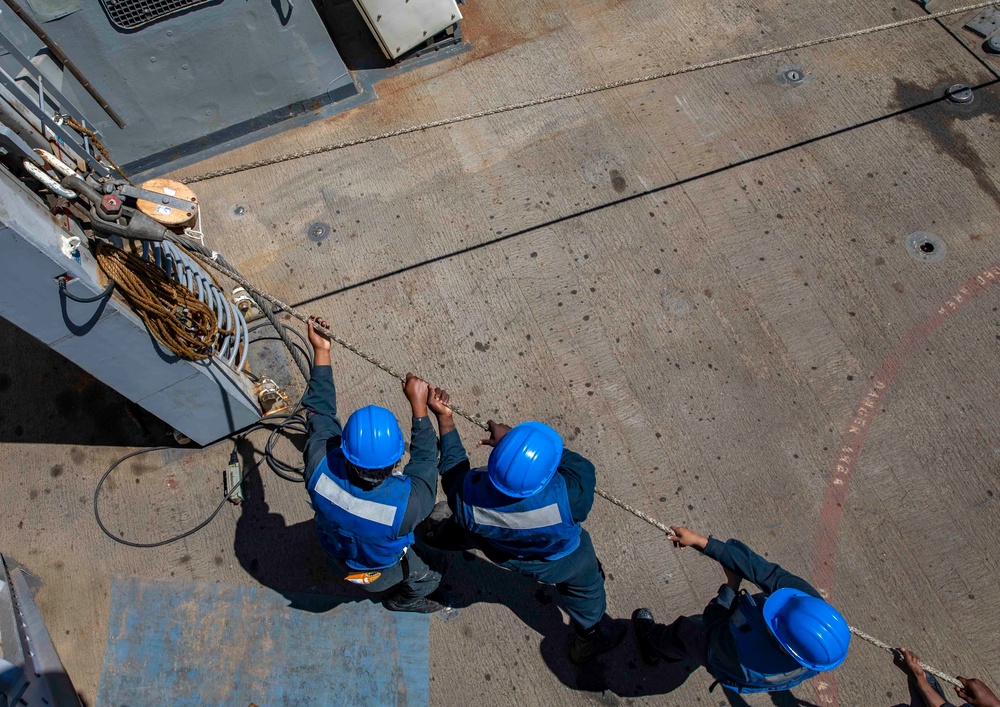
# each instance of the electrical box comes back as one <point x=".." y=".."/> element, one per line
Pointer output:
<point x="402" y="25"/>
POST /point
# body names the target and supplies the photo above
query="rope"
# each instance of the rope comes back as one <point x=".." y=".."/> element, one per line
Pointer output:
<point x="96" y="142"/>
<point x="236" y="277"/>
<point x="477" y="421"/>
<point x="580" y="92"/>
<point x="889" y="649"/>
<point x="173" y="314"/>
<point x="633" y="510"/>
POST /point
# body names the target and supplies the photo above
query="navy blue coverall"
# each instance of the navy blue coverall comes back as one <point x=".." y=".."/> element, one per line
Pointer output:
<point x="690" y="637"/>
<point x="578" y="577"/>
<point x="323" y="429"/>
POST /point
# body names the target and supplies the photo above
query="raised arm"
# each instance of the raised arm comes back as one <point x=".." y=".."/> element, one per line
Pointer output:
<point x="740" y="561"/>
<point x="422" y="466"/>
<point x="454" y="461"/>
<point x="320" y="400"/>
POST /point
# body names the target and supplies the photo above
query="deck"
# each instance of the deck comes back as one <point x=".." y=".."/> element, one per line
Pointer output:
<point x="740" y="340"/>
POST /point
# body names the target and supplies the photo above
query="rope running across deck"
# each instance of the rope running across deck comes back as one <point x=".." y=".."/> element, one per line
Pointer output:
<point x="478" y="422"/>
<point x="584" y="91"/>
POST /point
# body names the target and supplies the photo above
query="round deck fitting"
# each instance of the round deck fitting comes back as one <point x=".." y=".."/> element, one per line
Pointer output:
<point x="792" y="75"/>
<point x="317" y="231"/>
<point x="992" y="45"/>
<point x="925" y="247"/>
<point x="959" y="93"/>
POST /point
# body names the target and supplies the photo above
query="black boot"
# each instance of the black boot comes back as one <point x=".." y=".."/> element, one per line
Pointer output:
<point x="416" y="605"/>
<point x="595" y="641"/>
<point x="643" y="623"/>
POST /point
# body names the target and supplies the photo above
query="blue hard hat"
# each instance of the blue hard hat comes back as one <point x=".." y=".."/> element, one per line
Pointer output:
<point x="525" y="459"/>
<point x="372" y="438"/>
<point x="808" y="628"/>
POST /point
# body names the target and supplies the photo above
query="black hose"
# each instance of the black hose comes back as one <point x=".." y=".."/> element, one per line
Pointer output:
<point x="96" y="298"/>
<point x="159" y="543"/>
<point x="281" y="425"/>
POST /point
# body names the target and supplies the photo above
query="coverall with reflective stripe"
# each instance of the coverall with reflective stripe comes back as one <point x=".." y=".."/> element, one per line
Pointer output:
<point x="578" y="577"/>
<point x="323" y="431"/>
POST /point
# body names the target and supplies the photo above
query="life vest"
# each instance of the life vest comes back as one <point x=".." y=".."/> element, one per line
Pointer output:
<point x="356" y="526"/>
<point x="539" y="527"/>
<point x="763" y="665"/>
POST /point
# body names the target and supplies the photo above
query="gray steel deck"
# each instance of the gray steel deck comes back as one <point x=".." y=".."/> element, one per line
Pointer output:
<point x="711" y="345"/>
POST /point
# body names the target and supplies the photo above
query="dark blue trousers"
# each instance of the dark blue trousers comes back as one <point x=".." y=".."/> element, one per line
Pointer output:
<point x="579" y="580"/>
<point x="578" y="577"/>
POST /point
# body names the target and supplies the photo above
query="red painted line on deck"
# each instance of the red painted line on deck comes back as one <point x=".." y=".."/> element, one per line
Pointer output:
<point x="852" y="441"/>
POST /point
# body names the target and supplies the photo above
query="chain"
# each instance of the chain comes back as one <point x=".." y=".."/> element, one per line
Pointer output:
<point x="581" y="92"/>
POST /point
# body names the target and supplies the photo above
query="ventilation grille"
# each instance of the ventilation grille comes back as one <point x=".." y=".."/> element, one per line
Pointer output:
<point x="132" y="14"/>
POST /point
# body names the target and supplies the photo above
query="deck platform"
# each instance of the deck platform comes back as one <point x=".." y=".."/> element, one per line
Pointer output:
<point x="743" y="343"/>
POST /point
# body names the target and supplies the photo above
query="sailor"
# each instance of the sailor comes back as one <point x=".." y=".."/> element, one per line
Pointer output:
<point x="366" y="511"/>
<point x="764" y="642"/>
<point x="524" y="512"/>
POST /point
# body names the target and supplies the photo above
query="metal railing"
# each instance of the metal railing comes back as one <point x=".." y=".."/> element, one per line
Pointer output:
<point x="42" y="106"/>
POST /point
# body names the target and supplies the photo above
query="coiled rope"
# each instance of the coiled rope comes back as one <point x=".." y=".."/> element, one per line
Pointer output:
<point x="583" y="92"/>
<point x="476" y="420"/>
<point x="174" y="314"/>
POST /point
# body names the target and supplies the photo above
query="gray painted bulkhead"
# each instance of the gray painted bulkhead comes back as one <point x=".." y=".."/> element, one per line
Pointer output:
<point x="194" y="80"/>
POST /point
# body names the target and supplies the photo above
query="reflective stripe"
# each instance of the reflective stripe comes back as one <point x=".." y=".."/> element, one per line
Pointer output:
<point x="380" y="513"/>
<point x="522" y="520"/>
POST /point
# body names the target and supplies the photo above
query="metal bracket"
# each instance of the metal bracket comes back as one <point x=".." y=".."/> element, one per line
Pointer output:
<point x="271" y="397"/>
<point x="246" y="304"/>
<point x="70" y="247"/>
<point x="986" y="22"/>
<point x="156" y="197"/>
<point x="447" y="37"/>
<point x="12" y="144"/>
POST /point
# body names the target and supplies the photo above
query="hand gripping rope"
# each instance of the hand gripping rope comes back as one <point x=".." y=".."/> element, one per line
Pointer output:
<point x="478" y="422"/>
